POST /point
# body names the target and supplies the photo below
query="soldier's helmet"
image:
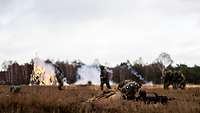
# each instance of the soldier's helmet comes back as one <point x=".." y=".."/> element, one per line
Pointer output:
<point x="129" y="89"/>
<point x="48" y="61"/>
<point x="102" y="67"/>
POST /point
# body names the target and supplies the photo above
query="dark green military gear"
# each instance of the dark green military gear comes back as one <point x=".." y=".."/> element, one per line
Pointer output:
<point x="167" y="78"/>
<point x="104" y="77"/>
<point x="176" y="79"/>
<point x="181" y="80"/>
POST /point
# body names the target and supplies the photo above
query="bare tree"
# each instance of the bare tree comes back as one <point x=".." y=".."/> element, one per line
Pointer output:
<point x="165" y="60"/>
<point x="5" y="65"/>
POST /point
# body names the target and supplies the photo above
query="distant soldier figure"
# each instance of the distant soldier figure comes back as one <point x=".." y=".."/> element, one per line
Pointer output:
<point x="59" y="75"/>
<point x="167" y="78"/>
<point x="176" y="79"/>
<point x="104" y="77"/>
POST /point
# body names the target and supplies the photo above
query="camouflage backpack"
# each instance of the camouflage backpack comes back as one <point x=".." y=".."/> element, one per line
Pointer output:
<point x="129" y="88"/>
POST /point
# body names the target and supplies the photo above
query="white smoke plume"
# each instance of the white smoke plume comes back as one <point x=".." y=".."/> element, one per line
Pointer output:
<point x="150" y="83"/>
<point x="88" y="73"/>
<point x="135" y="73"/>
<point x="91" y="73"/>
<point x="43" y="73"/>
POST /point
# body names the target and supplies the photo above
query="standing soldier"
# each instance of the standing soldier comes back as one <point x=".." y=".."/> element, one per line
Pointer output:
<point x="181" y="80"/>
<point x="104" y="77"/>
<point x="167" y="78"/>
<point x="59" y="75"/>
<point x="174" y="78"/>
<point x="178" y="80"/>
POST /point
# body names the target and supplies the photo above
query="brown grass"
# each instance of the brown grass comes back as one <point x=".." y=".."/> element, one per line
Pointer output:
<point x="37" y="99"/>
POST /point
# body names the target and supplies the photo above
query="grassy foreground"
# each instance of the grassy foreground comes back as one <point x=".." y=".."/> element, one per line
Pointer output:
<point x="38" y="99"/>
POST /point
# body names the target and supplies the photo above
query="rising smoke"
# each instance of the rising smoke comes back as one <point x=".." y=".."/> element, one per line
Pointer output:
<point x="43" y="73"/>
<point x="88" y="73"/>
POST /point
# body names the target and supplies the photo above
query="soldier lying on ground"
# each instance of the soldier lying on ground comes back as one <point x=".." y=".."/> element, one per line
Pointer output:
<point x="128" y="90"/>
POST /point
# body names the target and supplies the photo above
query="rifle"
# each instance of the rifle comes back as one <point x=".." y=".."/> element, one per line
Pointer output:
<point x="153" y="98"/>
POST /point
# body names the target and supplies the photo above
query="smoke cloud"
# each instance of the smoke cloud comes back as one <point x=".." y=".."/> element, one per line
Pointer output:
<point x="91" y="73"/>
<point x="43" y="73"/>
<point x="135" y="73"/>
<point x="88" y="73"/>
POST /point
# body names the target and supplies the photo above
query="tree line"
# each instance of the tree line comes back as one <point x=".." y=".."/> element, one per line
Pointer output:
<point x="150" y="72"/>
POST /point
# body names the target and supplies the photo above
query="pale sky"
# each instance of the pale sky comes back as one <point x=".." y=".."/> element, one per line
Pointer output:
<point x="109" y="30"/>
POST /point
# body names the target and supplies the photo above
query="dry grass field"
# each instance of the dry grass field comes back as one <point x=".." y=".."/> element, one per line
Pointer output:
<point x="38" y="99"/>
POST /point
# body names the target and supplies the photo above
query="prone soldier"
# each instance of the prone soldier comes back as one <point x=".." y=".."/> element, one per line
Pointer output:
<point x="129" y="88"/>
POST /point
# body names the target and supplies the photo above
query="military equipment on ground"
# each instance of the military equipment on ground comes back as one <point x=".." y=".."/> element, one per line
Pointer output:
<point x="15" y="89"/>
<point x="152" y="98"/>
<point x="89" y="83"/>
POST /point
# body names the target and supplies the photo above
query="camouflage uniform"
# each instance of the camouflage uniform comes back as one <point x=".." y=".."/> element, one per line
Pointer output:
<point x="179" y="80"/>
<point x="129" y="88"/>
<point x="104" y="77"/>
<point x="167" y="78"/>
<point x="176" y="79"/>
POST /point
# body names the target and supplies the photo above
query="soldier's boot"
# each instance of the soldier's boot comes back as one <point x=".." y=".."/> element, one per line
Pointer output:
<point x="166" y="85"/>
<point x="182" y="85"/>
<point x="60" y="86"/>
<point x="175" y="86"/>
<point x="108" y="85"/>
<point x="101" y="86"/>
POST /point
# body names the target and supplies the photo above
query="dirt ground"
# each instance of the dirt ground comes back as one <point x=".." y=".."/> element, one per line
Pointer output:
<point x="43" y="99"/>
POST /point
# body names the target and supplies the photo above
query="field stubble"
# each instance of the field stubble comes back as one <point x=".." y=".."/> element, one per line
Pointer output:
<point x="43" y="99"/>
